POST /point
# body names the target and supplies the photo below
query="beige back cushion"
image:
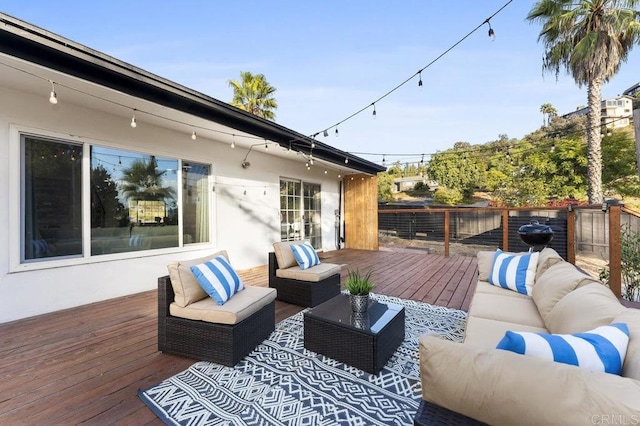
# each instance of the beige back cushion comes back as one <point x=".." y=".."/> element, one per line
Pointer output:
<point x="184" y="283"/>
<point x="555" y="283"/>
<point x="548" y="257"/>
<point x="583" y="309"/>
<point x="284" y="254"/>
<point x="631" y="367"/>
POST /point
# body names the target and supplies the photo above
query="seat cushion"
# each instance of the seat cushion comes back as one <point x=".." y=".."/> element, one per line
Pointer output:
<point x="583" y="309"/>
<point x="184" y="283"/>
<point x="504" y="307"/>
<point x="486" y="333"/>
<point x="239" y="307"/>
<point x="284" y="254"/>
<point x="313" y="274"/>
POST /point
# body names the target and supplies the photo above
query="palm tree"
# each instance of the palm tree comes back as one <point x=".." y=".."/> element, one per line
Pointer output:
<point x="254" y="94"/>
<point x="547" y="111"/>
<point x="590" y="39"/>
<point x="143" y="181"/>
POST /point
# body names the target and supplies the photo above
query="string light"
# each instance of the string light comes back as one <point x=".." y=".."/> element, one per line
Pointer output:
<point x="384" y="160"/>
<point x="325" y="133"/>
<point x="346" y="160"/>
<point x="266" y="145"/>
<point x="313" y="144"/>
<point x="492" y="34"/>
<point x="374" y="109"/>
<point x="233" y="141"/>
<point x="426" y="66"/>
<point x="193" y="135"/>
<point x="133" y="120"/>
<point x="337" y="134"/>
<point x="53" y="98"/>
<point x="420" y="79"/>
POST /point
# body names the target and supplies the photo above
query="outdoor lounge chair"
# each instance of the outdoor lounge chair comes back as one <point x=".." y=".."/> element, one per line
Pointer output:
<point x="221" y="334"/>
<point x="308" y="287"/>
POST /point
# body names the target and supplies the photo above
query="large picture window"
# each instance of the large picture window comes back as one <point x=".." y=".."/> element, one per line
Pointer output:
<point x="51" y="199"/>
<point x="134" y="200"/>
<point x="300" y="212"/>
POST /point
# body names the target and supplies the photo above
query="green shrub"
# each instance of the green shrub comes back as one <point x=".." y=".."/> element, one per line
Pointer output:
<point x="449" y="197"/>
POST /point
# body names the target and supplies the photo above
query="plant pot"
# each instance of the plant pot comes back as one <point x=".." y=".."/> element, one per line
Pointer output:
<point x="359" y="303"/>
<point x="360" y="320"/>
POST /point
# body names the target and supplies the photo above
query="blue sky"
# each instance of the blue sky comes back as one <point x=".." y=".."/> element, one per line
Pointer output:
<point x="328" y="59"/>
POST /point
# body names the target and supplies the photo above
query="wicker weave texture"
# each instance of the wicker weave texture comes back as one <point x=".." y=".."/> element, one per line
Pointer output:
<point x="345" y="343"/>
<point x="302" y="293"/>
<point x="429" y="414"/>
<point x="220" y="343"/>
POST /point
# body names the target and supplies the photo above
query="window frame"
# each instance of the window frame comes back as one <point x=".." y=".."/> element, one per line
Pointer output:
<point x="16" y="187"/>
<point x="301" y="209"/>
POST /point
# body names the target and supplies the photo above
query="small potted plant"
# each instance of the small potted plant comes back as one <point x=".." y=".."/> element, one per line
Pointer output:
<point x="359" y="287"/>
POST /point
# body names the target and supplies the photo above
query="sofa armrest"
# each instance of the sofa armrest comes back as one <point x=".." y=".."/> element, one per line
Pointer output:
<point x="501" y="387"/>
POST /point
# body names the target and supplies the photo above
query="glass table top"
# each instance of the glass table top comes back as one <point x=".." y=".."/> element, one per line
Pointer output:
<point x="338" y="310"/>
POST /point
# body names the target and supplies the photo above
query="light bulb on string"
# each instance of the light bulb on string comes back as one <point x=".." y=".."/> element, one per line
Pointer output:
<point x="384" y="160"/>
<point x="313" y="144"/>
<point x="53" y="97"/>
<point x="325" y="133"/>
<point x="266" y="146"/>
<point x="420" y="79"/>
<point x="337" y="133"/>
<point x="346" y="160"/>
<point x="193" y="135"/>
<point x="492" y="34"/>
<point x="374" y="110"/>
<point x="134" y="124"/>
<point x="233" y="141"/>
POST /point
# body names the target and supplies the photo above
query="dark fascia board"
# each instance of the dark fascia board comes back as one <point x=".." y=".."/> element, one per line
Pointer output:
<point x="30" y="43"/>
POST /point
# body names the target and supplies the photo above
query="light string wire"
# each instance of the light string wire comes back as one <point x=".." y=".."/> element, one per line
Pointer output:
<point x="418" y="73"/>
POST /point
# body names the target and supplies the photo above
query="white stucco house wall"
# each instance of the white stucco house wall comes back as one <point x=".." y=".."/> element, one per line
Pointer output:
<point x="74" y="234"/>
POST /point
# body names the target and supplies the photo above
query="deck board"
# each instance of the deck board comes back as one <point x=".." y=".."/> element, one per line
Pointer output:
<point x="85" y="365"/>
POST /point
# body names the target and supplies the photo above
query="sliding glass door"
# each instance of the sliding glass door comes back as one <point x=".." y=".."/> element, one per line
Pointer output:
<point x="300" y="212"/>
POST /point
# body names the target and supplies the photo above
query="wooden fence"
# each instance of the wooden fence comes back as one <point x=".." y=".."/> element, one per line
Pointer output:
<point x="582" y="229"/>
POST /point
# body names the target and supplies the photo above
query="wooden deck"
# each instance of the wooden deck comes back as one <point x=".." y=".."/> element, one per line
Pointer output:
<point x="85" y="365"/>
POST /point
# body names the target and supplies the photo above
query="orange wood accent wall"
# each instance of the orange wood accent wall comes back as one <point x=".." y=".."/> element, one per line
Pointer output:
<point x="361" y="212"/>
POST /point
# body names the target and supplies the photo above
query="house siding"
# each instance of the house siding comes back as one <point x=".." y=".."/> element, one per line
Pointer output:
<point x="244" y="225"/>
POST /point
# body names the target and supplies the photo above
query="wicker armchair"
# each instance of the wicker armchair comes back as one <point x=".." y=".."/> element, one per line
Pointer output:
<point x="302" y="293"/>
<point x="220" y="343"/>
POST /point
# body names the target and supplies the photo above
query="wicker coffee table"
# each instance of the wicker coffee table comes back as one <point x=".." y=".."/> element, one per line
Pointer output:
<point x="365" y="341"/>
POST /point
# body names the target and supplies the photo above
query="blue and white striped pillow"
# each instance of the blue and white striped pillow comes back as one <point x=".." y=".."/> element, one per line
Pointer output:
<point x="218" y="279"/>
<point x="305" y="255"/>
<point x="514" y="271"/>
<point x="602" y="349"/>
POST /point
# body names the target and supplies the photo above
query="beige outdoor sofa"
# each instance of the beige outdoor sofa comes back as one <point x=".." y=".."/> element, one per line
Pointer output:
<point x="303" y="287"/>
<point x="505" y="388"/>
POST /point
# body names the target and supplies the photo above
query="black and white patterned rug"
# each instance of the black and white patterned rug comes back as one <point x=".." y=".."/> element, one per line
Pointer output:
<point x="281" y="383"/>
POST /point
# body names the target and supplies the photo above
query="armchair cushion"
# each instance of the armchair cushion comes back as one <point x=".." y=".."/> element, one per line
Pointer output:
<point x="314" y="274"/>
<point x="184" y="283"/>
<point x="238" y="308"/>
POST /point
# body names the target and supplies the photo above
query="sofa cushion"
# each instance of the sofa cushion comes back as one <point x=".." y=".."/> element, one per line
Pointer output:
<point x="504" y="388"/>
<point x="313" y="274"/>
<point x="583" y="309"/>
<point x="284" y="254"/>
<point x="602" y="349"/>
<point x="305" y="255"/>
<point x="548" y="257"/>
<point x="504" y="307"/>
<point x="555" y="283"/>
<point x="184" y="283"/>
<point x="487" y="332"/>
<point x="218" y="279"/>
<point x="238" y="308"/>
<point x="631" y="367"/>
<point x="514" y="271"/>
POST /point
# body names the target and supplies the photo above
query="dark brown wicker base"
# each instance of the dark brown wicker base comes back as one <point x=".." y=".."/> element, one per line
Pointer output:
<point x="345" y="343"/>
<point x="302" y="293"/>
<point x="220" y="343"/>
<point x="430" y="414"/>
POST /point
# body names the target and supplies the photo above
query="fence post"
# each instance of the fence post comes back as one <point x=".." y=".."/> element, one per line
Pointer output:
<point x="446" y="233"/>
<point x="505" y="229"/>
<point x="615" y="250"/>
<point x="571" y="236"/>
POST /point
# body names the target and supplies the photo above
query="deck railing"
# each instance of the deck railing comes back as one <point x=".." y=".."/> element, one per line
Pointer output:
<point x="590" y="230"/>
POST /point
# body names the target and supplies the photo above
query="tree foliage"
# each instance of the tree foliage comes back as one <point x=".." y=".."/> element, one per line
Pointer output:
<point x="255" y="95"/>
